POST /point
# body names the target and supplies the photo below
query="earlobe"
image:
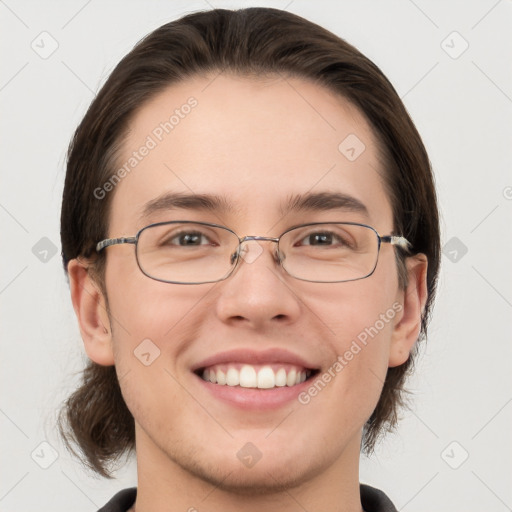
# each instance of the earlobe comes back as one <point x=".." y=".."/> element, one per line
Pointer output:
<point x="413" y="300"/>
<point x="90" y="308"/>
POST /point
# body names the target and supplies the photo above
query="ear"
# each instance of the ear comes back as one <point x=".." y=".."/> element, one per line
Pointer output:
<point x="413" y="299"/>
<point x="90" y="308"/>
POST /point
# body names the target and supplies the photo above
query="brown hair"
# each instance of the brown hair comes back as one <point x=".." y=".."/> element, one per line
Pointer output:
<point x="253" y="41"/>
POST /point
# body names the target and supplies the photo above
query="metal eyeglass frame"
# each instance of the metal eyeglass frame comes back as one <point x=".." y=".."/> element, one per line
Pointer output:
<point x="399" y="241"/>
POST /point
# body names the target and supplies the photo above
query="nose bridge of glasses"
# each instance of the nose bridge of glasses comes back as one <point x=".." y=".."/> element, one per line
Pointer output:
<point x="249" y="255"/>
<point x="258" y="239"/>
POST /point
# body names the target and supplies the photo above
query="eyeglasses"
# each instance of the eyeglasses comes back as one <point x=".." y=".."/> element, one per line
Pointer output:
<point x="188" y="252"/>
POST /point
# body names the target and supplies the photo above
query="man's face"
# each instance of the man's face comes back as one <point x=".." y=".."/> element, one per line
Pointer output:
<point x="256" y="144"/>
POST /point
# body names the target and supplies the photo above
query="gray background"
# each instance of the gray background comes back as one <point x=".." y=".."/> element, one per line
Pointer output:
<point x="461" y="103"/>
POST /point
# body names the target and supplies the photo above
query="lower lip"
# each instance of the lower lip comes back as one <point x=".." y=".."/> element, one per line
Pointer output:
<point x="253" y="399"/>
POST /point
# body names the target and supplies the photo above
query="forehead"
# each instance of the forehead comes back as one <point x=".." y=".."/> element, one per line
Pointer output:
<point x="254" y="143"/>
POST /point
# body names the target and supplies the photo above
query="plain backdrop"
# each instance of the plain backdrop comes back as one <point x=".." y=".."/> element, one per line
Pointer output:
<point x="449" y="61"/>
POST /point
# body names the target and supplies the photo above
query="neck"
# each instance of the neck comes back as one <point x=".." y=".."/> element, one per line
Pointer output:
<point x="165" y="486"/>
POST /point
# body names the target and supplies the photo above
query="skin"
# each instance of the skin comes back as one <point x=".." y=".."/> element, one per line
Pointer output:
<point x="256" y="142"/>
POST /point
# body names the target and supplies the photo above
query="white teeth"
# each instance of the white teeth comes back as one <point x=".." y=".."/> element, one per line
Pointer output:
<point x="290" y="379"/>
<point x="233" y="377"/>
<point x="248" y="377"/>
<point x="221" y="377"/>
<point x="264" y="377"/>
<point x="281" y="377"/>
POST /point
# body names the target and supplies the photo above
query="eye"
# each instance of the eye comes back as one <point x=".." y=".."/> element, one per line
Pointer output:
<point x="323" y="239"/>
<point x="188" y="238"/>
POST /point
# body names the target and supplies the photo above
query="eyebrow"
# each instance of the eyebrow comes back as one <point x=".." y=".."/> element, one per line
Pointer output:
<point x="175" y="200"/>
<point x="320" y="201"/>
<point x="324" y="201"/>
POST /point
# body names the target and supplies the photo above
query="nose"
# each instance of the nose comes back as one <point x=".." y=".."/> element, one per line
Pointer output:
<point x="258" y="293"/>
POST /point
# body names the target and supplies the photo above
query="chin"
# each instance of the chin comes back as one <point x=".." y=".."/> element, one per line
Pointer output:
<point x="264" y="477"/>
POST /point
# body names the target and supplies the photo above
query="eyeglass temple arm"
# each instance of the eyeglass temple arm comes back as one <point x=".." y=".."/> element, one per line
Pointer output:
<point x="115" y="241"/>
<point x="401" y="241"/>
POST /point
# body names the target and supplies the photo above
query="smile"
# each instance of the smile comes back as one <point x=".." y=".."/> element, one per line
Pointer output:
<point x="260" y="376"/>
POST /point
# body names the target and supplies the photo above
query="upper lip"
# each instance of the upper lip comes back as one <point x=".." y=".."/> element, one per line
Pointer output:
<point x="241" y="355"/>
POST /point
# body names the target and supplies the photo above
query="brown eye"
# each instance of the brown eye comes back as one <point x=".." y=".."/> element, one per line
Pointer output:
<point x="319" y="239"/>
<point x="323" y="239"/>
<point x="187" y="239"/>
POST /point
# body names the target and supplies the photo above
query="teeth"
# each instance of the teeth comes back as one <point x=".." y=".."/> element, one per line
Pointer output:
<point x="291" y="377"/>
<point x="266" y="378"/>
<point x="221" y="377"/>
<point x="232" y="377"/>
<point x="281" y="377"/>
<point x="248" y="376"/>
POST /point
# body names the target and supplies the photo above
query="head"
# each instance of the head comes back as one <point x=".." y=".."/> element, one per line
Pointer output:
<point x="225" y="108"/>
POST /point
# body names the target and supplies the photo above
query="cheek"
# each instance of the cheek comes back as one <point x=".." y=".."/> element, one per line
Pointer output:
<point x="144" y="307"/>
<point x="148" y="316"/>
<point x="153" y="324"/>
<point x="359" y="320"/>
<point x="356" y="311"/>
<point x="346" y="393"/>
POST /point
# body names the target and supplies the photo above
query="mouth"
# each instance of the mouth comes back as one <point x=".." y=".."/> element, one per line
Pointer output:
<point x="255" y="380"/>
<point x="256" y="376"/>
